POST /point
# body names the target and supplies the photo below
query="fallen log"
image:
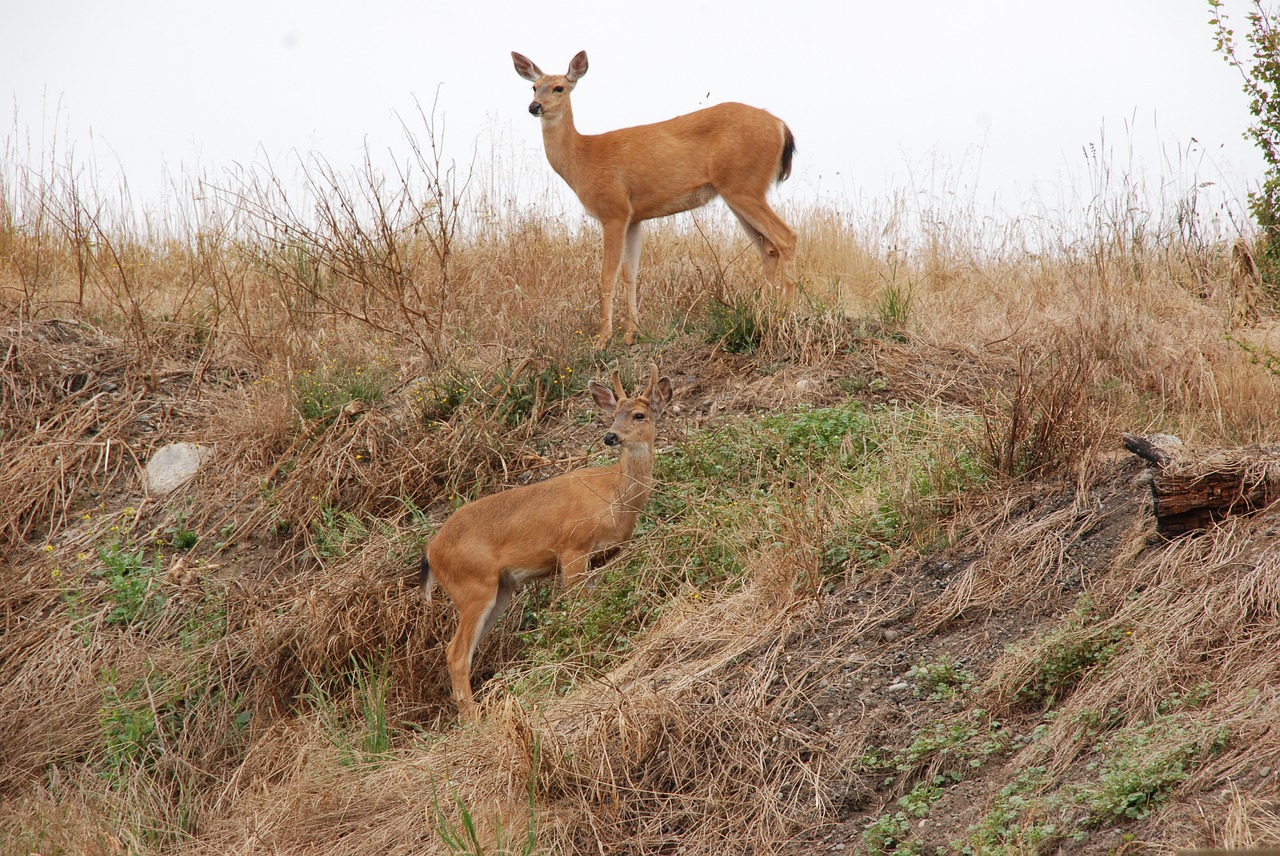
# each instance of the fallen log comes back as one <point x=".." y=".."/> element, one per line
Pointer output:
<point x="1190" y="491"/>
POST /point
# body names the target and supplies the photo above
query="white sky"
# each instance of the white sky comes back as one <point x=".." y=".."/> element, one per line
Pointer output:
<point x="996" y="99"/>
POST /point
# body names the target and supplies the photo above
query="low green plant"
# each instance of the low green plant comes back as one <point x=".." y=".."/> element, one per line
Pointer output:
<point x="128" y="728"/>
<point x="921" y="798"/>
<point x="1070" y="652"/>
<point x="322" y="393"/>
<point x="352" y="709"/>
<point x="1142" y="764"/>
<point x="895" y="305"/>
<point x="1260" y="355"/>
<point x="845" y="434"/>
<point x="1019" y="820"/>
<point x="1189" y="700"/>
<point x="738" y="327"/>
<point x="461" y="836"/>
<point x="969" y="740"/>
<point x="890" y="834"/>
<point x="131" y="579"/>
<point x="940" y="680"/>
<point x="512" y="394"/>
<point x="861" y="543"/>
<point x="180" y="537"/>
<point x="443" y="394"/>
<point x="335" y="532"/>
<point x="528" y="390"/>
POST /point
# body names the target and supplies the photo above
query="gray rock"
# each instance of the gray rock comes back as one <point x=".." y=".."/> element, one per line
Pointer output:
<point x="174" y="465"/>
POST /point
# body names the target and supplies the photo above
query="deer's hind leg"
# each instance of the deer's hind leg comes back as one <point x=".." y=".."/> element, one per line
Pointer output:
<point x="630" y="269"/>
<point x="475" y="619"/>
<point x="773" y="239"/>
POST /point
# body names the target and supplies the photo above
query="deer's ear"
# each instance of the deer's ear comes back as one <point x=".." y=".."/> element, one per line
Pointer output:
<point x="604" y="397"/>
<point x="660" y="397"/>
<point x="577" y="67"/>
<point x="525" y="67"/>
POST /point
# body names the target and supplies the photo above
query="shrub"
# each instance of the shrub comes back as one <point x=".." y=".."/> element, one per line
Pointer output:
<point x="1261" y="73"/>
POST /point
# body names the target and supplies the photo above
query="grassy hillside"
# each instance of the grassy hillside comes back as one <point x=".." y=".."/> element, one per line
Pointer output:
<point x="899" y="588"/>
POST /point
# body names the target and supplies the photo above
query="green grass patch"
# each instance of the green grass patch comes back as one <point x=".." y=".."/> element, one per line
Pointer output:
<point x="1070" y="652"/>
<point x="322" y="393"/>
<point x="740" y="488"/>
<point x="352" y="709"/>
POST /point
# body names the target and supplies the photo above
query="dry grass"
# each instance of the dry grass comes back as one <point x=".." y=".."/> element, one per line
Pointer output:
<point x="366" y="355"/>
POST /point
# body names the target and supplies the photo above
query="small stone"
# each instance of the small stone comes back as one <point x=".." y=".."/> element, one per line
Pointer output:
<point x="899" y="687"/>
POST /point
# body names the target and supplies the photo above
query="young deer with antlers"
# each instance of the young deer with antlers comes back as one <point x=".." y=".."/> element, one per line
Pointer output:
<point x="627" y="176"/>
<point x="491" y="546"/>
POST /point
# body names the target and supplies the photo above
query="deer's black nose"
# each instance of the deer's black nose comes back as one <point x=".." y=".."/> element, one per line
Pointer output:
<point x="612" y="439"/>
<point x="535" y="108"/>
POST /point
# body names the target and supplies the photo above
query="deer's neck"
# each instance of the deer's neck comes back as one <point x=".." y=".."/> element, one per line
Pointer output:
<point x="563" y="144"/>
<point x="635" y="481"/>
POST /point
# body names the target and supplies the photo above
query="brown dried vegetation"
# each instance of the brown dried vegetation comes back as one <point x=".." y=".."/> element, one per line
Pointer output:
<point x="245" y="666"/>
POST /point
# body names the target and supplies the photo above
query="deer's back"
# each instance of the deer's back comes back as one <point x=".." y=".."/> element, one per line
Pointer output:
<point x="670" y="166"/>
<point x="526" y="528"/>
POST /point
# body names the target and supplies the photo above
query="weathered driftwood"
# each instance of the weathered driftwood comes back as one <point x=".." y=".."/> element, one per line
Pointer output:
<point x="1191" y="491"/>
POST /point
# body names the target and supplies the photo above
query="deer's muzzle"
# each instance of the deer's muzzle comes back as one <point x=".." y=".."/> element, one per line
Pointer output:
<point x="535" y="108"/>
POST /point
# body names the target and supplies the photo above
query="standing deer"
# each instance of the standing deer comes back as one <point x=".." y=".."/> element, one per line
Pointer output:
<point x="627" y="176"/>
<point x="491" y="546"/>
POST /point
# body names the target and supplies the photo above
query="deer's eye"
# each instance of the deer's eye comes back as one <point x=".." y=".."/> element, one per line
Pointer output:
<point x="637" y="416"/>
<point x="559" y="89"/>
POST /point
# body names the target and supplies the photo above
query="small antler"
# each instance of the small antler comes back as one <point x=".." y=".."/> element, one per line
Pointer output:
<point x="653" y="380"/>
<point x="617" y="386"/>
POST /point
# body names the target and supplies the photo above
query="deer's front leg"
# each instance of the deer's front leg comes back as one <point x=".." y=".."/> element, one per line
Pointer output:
<point x="614" y="233"/>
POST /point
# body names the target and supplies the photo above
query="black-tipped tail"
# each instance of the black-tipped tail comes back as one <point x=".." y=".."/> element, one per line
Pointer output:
<point x="788" y="150"/>
<point x="424" y="577"/>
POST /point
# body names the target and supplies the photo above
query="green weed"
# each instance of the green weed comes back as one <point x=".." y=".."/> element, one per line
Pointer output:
<point x="895" y="305"/>
<point x="131" y="580"/>
<point x="512" y="394"/>
<point x="335" y="532"/>
<point x="1260" y="355"/>
<point x="353" y="713"/>
<point x="890" y="834"/>
<point x="180" y="537"/>
<point x="738" y="327"/>
<point x="461" y="836"/>
<point x="1018" y="821"/>
<point x="128" y="727"/>
<point x="1070" y="652"/>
